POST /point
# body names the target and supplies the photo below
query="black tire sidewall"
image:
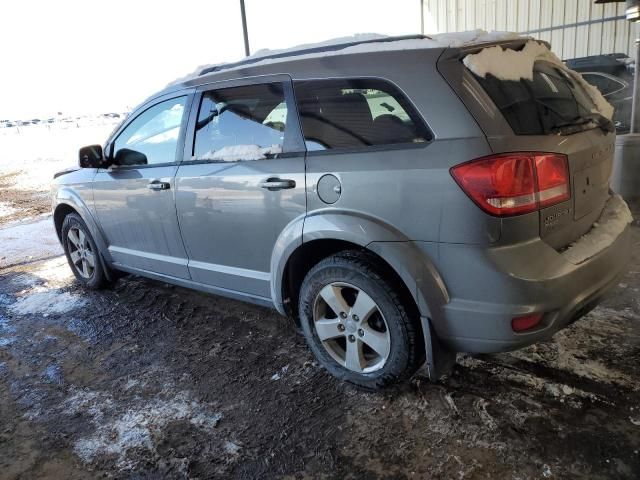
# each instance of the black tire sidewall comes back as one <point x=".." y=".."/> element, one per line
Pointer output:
<point x="98" y="278"/>
<point x="341" y="270"/>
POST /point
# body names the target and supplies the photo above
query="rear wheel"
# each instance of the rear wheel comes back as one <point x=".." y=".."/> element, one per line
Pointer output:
<point x="82" y="253"/>
<point x="356" y="322"/>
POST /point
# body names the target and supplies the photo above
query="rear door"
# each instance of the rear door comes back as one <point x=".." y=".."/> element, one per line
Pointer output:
<point x="134" y="201"/>
<point x="241" y="181"/>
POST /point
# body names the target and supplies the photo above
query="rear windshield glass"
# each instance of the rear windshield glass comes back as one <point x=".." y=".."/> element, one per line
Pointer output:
<point x="544" y="105"/>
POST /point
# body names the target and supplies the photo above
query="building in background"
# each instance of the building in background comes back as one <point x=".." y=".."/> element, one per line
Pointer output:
<point x="575" y="28"/>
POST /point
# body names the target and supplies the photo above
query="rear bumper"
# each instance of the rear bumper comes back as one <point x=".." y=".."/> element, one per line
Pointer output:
<point x="489" y="287"/>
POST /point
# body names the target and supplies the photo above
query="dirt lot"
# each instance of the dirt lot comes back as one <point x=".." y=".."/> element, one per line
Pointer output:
<point x="148" y="380"/>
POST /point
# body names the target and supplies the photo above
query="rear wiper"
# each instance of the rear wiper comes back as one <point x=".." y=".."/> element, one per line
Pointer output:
<point x="600" y="120"/>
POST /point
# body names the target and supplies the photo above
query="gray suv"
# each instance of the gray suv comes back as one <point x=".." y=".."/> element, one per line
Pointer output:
<point x="397" y="206"/>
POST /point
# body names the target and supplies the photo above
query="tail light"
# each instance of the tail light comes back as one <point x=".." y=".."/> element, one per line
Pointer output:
<point x="515" y="183"/>
<point x="526" y="322"/>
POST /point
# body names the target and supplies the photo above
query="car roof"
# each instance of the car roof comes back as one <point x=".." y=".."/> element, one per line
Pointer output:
<point x="302" y="62"/>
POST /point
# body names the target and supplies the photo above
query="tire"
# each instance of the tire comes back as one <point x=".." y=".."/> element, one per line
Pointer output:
<point x="81" y="252"/>
<point x="345" y="349"/>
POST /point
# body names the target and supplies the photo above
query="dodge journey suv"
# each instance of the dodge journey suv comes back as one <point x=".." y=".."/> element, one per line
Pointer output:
<point x="397" y="204"/>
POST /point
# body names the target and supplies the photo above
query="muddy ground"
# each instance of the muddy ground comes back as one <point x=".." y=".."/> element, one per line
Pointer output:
<point x="18" y="203"/>
<point x="146" y="380"/>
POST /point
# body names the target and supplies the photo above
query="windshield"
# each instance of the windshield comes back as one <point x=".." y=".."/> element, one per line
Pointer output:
<point x="551" y="103"/>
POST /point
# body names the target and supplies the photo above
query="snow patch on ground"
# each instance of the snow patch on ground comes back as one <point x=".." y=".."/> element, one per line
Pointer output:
<point x="507" y="64"/>
<point x="40" y="300"/>
<point x="7" y="332"/>
<point x="613" y="220"/>
<point x="119" y="432"/>
<point x="53" y="374"/>
<point x="231" y="448"/>
<point x="55" y="271"/>
<point x="36" y="152"/>
<point x="6" y="209"/>
<point x="28" y="241"/>
<point x="7" y="341"/>
<point x="234" y="153"/>
<point x="278" y="375"/>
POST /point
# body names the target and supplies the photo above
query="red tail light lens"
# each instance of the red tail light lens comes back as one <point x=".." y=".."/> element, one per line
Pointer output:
<point x="515" y="183"/>
<point x="553" y="179"/>
<point x="526" y="322"/>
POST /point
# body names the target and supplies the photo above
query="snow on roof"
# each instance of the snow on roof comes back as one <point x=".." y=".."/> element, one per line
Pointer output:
<point x="364" y="42"/>
<point x="508" y="64"/>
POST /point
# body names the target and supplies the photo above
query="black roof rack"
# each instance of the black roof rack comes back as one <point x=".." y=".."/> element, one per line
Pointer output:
<point x="306" y="51"/>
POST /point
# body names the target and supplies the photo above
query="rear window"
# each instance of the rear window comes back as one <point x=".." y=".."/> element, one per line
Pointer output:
<point x="543" y="105"/>
<point x="354" y="113"/>
<point x="241" y="123"/>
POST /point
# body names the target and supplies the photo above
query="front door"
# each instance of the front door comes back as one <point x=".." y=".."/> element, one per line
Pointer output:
<point x="134" y="200"/>
<point x="240" y="184"/>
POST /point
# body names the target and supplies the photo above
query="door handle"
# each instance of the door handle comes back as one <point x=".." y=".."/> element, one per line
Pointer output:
<point x="277" y="184"/>
<point x="158" y="185"/>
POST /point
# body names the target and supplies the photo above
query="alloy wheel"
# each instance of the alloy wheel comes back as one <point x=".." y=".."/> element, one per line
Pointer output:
<point x="351" y="327"/>
<point x="80" y="252"/>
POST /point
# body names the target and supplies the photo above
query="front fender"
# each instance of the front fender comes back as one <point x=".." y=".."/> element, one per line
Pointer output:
<point x="71" y="198"/>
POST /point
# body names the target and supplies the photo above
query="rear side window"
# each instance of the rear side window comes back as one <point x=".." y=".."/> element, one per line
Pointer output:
<point x="540" y="106"/>
<point x="241" y="123"/>
<point x="353" y="113"/>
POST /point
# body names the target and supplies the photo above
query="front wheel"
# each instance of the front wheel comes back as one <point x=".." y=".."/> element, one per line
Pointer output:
<point x="82" y="253"/>
<point x="356" y="321"/>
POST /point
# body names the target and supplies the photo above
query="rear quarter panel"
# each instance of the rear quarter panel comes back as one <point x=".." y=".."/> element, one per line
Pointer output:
<point x="409" y="188"/>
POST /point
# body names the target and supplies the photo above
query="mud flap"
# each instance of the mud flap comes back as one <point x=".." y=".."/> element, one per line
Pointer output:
<point x="439" y="359"/>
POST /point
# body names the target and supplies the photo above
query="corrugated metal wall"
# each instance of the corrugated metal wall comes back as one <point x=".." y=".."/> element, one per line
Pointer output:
<point x="575" y="28"/>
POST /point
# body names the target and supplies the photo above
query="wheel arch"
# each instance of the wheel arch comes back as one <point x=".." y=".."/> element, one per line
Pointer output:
<point x="68" y="202"/>
<point x="321" y="234"/>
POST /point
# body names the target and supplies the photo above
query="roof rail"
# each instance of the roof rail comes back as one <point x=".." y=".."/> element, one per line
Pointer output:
<point x="306" y="51"/>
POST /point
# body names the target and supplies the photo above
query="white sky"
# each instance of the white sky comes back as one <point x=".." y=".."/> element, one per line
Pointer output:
<point x="95" y="56"/>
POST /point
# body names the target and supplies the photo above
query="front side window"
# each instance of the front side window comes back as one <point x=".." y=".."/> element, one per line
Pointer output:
<point x="241" y="123"/>
<point x="348" y="113"/>
<point x="153" y="136"/>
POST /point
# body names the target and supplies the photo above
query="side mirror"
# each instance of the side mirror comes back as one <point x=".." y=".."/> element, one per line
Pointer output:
<point x="125" y="156"/>
<point x="92" y="157"/>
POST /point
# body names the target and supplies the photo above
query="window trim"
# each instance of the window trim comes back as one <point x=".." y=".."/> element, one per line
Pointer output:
<point x="371" y="148"/>
<point x="293" y="120"/>
<point x="189" y="94"/>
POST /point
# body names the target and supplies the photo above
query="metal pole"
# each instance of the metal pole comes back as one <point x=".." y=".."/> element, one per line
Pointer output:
<point x="635" y="121"/>
<point x="244" y="28"/>
<point x="422" y="17"/>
